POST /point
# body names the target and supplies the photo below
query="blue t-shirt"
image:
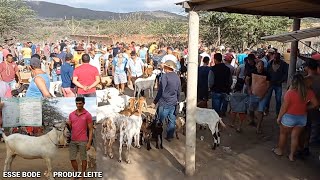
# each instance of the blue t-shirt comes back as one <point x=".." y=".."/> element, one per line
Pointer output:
<point x="62" y="56"/>
<point x="120" y="69"/>
<point x="241" y="57"/>
<point x="33" y="49"/>
<point x="143" y="54"/>
<point x="66" y="76"/>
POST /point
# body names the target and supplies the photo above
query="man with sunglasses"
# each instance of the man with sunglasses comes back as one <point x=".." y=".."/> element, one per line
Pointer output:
<point x="81" y="124"/>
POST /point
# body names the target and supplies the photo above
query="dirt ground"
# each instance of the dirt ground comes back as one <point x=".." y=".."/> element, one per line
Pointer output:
<point x="245" y="156"/>
<point x="60" y="163"/>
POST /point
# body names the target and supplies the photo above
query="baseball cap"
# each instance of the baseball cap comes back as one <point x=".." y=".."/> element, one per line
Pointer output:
<point x="35" y="62"/>
<point x="228" y="57"/>
<point x="271" y="50"/>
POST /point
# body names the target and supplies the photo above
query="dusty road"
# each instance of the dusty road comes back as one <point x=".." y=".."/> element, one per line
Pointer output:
<point x="244" y="156"/>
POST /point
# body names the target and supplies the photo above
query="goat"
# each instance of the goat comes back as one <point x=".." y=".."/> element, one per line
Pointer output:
<point x="28" y="147"/>
<point x="55" y="87"/>
<point x="157" y="129"/>
<point x="91" y="158"/>
<point x="107" y="111"/>
<point x="146" y="133"/>
<point x="108" y="133"/>
<point x="145" y="84"/>
<point x="130" y="129"/>
<point x="148" y="70"/>
<point x="129" y="110"/>
<point x="207" y="117"/>
<point x="180" y="126"/>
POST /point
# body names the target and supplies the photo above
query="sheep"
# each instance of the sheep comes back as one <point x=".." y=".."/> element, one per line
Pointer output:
<point x="145" y="84"/>
<point x="43" y="147"/>
<point x="207" y="117"/>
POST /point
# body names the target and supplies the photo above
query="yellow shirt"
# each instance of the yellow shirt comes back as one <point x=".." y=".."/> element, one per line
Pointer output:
<point x="77" y="59"/>
<point x="152" y="48"/>
<point x="26" y="52"/>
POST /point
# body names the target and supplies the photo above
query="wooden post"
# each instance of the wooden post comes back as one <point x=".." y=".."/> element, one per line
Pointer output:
<point x="293" y="51"/>
<point x="190" y="154"/>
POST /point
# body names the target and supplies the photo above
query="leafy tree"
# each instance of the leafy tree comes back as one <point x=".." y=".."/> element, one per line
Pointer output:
<point x="240" y="31"/>
<point x="14" y="17"/>
<point x="50" y="113"/>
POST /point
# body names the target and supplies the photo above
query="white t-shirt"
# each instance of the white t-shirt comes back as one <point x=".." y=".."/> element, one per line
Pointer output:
<point x="169" y="57"/>
<point x="204" y="54"/>
<point x="96" y="62"/>
<point x="135" y="67"/>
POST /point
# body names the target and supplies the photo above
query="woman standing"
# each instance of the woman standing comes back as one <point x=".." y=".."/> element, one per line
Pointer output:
<point x="119" y="72"/>
<point x="55" y="68"/>
<point x="293" y="114"/>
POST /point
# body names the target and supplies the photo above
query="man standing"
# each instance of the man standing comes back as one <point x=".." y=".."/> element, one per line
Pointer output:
<point x="219" y="82"/>
<point x="135" y="68"/>
<point x="66" y="77"/>
<point x="26" y="54"/>
<point x="8" y="71"/>
<point x="86" y="78"/>
<point x="80" y="123"/>
<point x="168" y="96"/>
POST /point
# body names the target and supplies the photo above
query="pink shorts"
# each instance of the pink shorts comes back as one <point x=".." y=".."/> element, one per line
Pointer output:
<point x="68" y="92"/>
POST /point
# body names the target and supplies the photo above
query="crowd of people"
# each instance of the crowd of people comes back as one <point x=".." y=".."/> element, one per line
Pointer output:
<point x="258" y="73"/>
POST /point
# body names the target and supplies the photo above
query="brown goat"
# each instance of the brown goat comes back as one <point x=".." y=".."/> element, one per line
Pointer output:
<point x="130" y="109"/>
<point x="180" y="126"/>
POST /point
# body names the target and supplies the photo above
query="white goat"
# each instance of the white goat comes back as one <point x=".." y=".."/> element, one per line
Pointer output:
<point x="55" y="87"/>
<point x="208" y="117"/>
<point x="144" y="84"/>
<point x="129" y="128"/>
<point x="106" y="111"/>
<point x="29" y="147"/>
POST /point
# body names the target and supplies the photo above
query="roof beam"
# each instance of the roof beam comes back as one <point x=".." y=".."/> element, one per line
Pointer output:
<point x="223" y="4"/>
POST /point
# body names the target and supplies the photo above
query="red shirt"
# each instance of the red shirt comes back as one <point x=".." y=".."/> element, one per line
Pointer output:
<point x="86" y="74"/>
<point x="297" y="106"/>
<point x="79" y="124"/>
<point x="8" y="71"/>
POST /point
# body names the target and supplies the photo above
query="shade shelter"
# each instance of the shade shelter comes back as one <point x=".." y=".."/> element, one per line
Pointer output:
<point x="290" y="8"/>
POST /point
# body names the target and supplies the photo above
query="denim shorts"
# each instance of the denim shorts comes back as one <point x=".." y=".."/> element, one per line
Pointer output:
<point x="290" y="120"/>
<point x="256" y="103"/>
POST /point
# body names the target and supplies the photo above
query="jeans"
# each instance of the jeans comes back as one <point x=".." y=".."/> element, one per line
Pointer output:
<point x="219" y="102"/>
<point x="278" y="93"/>
<point x="167" y="112"/>
<point x="55" y="77"/>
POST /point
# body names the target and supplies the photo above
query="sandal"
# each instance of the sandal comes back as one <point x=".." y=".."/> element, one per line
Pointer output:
<point x="274" y="152"/>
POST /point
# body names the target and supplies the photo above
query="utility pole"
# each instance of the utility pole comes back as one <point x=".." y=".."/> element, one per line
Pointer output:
<point x="190" y="154"/>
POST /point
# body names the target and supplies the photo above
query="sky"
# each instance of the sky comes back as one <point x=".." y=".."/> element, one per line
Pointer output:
<point x="123" y="5"/>
<point x="67" y="105"/>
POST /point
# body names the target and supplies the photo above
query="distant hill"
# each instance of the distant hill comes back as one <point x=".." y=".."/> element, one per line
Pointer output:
<point x="58" y="11"/>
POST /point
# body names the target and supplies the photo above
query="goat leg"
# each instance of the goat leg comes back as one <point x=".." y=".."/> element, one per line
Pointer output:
<point x="110" y="148"/>
<point x="148" y="145"/>
<point x="138" y="140"/>
<point x="120" y="148"/>
<point x="128" y="150"/>
<point x="48" y="162"/>
<point x="161" y="141"/>
<point x="215" y="137"/>
<point x="157" y="141"/>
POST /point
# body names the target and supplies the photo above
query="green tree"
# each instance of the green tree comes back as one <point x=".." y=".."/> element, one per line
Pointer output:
<point x="240" y="31"/>
<point x="14" y="17"/>
<point x="50" y="113"/>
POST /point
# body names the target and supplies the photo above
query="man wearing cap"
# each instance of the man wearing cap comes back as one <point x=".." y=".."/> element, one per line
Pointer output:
<point x="40" y="83"/>
<point x="86" y="78"/>
<point x="168" y="96"/>
<point x="66" y="77"/>
<point x="77" y="56"/>
<point x="8" y="71"/>
<point x="228" y="59"/>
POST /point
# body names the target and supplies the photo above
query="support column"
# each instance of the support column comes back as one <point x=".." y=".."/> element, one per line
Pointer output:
<point x="293" y="51"/>
<point x="190" y="154"/>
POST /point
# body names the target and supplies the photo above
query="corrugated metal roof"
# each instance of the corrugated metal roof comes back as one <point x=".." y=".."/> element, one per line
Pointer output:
<point x="295" y="35"/>
<point x="289" y="8"/>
